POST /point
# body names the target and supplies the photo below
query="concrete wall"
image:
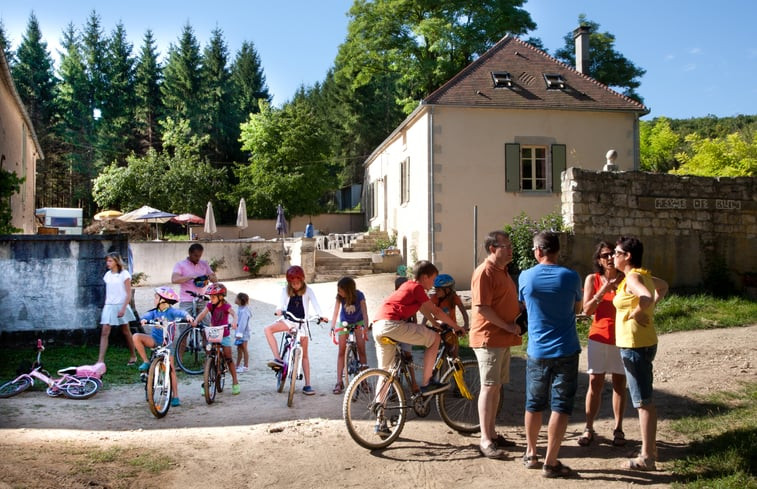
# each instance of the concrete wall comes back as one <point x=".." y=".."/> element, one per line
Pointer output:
<point x="53" y="282"/>
<point x="691" y="227"/>
<point x="266" y="228"/>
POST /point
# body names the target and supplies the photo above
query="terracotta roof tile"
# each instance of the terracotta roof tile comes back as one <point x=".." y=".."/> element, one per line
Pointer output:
<point x="474" y="85"/>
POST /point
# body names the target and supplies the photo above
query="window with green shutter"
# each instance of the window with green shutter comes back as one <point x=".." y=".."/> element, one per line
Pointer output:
<point x="534" y="167"/>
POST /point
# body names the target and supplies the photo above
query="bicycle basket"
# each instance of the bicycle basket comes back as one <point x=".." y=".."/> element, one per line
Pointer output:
<point x="214" y="334"/>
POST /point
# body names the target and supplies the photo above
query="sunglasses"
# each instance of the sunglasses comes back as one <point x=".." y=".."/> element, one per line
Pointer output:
<point x="607" y="256"/>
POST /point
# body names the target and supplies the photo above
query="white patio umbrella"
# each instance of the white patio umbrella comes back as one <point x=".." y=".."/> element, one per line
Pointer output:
<point x="210" y="220"/>
<point x="242" y="216"/>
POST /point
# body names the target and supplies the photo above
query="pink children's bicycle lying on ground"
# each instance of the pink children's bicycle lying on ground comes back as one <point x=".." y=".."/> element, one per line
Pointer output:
<point x="75" y="382"/>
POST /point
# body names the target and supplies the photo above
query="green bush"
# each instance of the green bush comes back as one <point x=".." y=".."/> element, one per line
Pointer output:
<point x="522" y="232"/>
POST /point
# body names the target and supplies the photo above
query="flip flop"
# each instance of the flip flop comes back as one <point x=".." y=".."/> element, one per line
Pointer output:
<point x="131" y="363"/>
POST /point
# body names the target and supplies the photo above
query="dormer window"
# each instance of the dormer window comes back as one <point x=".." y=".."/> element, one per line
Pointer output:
<point x="502" y="79"/>
<point x="554" y="81"/>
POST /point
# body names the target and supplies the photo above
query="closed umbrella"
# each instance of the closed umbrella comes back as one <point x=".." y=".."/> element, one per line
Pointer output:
<point x="242" y="216"/>
<point x="210" y="220"/>
<point x="281" y="222"/>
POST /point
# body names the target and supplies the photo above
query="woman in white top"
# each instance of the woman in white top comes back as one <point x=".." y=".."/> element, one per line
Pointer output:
<point x="116" y="310"/>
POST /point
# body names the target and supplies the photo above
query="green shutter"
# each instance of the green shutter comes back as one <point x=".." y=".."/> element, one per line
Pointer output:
<point x="558" y="165"/>
<point x="512" y="167"/>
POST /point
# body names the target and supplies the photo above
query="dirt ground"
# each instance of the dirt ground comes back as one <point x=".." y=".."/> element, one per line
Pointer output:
<point x="254" y="440"/>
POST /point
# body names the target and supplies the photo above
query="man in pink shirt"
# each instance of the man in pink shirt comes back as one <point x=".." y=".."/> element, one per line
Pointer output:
<point x="193" y="275"/>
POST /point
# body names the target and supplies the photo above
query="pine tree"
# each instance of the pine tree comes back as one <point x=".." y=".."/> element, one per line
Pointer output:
<point x="182" y="83"/>
<point x="76" y="125"/>
<point x="116" y="128"/>
<point x="34" y="77"/>
<point x="249" y="81"/>
<point x="5" y="45"/>
<point x="149" y="107"/>
<point x="219" y="119"/>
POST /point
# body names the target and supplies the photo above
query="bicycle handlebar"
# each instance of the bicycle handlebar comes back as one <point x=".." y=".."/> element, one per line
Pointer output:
<point x="198" y="296"/>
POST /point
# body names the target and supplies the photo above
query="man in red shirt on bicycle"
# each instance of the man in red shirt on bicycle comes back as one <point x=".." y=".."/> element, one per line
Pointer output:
<point x="391" y="321"/>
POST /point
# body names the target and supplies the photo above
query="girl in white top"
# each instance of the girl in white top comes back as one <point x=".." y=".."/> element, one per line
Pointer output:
<point x="296" y="298"/>
<point x="116" y="310"/>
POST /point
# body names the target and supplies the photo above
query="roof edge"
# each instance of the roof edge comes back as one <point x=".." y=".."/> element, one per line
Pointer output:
<point x="5" y="72"/>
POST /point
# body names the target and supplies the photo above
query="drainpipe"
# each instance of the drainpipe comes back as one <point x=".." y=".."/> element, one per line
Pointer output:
<point x="431" y="201"/>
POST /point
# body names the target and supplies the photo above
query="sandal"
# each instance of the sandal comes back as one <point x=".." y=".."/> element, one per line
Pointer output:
<point x="531" y="461"/>
<point x="338" y="388"/>
<point x="131" y="363"/>
<point x="587" y="438"/>
<point x="557" y="470"/>
<point x="502" y="442"/>
<point x="640" y="463"/>
<point x="618" y="438"/>
<point x="491" y="451"/>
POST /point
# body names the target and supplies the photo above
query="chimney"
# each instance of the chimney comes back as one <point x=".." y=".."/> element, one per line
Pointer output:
<point x="581" y="38"/>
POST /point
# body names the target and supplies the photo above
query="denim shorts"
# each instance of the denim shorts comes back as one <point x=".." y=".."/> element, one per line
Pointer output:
<point x="639" y="372"/>
<point x="553" y="382"/>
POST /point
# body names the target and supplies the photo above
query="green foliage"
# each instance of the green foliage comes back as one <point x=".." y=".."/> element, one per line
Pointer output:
<point x="384" y="243"/>
<point x="148" y="106"/>
<point x="252" y="261"/>
<point x="724" y="449"/>
<point x="606" y="65"/>
<point x="686" y="313"/>
<point x="217" y="263"/>
<point x="182" y="83"/>
<point x="732" y="156"/>
<point x="289" y="161"/>
<point x="174" y="180"/>
<point x="658" y="145"/>
<point x="9" y="185"/>
<point x="138" y="277"/>
<point x="522" y="232"/>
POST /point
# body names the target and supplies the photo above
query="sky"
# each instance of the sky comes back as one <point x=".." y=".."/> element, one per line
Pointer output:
<point x="700" y="57"/>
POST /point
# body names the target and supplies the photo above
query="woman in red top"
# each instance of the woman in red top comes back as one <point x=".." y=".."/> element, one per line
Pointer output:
<point x="603" y="355"/>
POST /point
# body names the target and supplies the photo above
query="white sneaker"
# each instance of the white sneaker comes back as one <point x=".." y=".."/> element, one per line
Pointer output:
<point x="241" y="369"/>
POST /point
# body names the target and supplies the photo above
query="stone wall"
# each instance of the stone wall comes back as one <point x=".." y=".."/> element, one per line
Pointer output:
<point x="692" y="228"/>
<point x="53" y="282"/>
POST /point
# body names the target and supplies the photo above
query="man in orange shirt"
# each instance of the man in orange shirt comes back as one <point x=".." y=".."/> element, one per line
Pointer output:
<point x="493" y="331"/>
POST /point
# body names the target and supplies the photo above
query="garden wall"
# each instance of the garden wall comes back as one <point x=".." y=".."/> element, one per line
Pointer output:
<point x="53" y="282"/>
<point x="695" y="230"/>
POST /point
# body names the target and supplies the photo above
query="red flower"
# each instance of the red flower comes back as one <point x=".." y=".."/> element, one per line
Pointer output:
<point x="245" y="268"/>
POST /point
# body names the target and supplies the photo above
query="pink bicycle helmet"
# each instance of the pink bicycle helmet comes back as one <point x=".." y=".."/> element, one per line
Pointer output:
<point x="295" y="272"/>
<point x="167" y="294"/>
<point x="216" y="289"/>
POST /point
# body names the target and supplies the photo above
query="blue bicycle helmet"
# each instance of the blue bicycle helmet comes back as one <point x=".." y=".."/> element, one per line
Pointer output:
<point x="444" y="280"/>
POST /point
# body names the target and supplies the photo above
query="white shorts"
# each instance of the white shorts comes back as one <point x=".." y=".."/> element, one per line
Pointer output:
<point x="604" y="359"/>
<point x="110" y="315"/>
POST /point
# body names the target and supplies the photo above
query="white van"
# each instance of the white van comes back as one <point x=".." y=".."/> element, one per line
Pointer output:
<point x="67" y="220"/>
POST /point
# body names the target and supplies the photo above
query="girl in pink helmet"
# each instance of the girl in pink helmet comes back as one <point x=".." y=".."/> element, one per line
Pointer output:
<point x="296" y="298"/>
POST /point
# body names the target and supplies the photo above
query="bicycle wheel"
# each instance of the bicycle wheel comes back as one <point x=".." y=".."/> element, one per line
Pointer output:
<point x="17" y="386"/>
<point x="209" y="379"/>
<point x="281" y="373"/>
<point x="159" y="388"/>
<point x="351" y="364"/>
<point x="294" y="368"/>
<point x="459" y="412"/>
<point x="84" y="389"/>
<point x="373" y="409"/>
<point x="189" y="351"/>
<point x="221" y="368"/>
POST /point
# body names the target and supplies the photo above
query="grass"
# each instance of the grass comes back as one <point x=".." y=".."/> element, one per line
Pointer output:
<point x="723" y="453"/>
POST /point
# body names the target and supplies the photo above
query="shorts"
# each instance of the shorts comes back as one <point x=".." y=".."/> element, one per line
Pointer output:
<point x="493" y="365"/>
<point x="110" y="315"/>
<point x="603" y="359"/>
<point x="640" y="373"/>
<point x="553" y="382"/>
<point x="402" y="332"/>
<point x="227" y="341"/>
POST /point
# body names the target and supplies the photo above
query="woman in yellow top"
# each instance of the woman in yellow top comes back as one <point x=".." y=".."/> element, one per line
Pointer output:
<point x="635" y="335"/>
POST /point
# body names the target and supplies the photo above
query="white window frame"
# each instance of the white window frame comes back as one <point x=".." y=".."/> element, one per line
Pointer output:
<point x="405" y="181"/>
<point x="529" y="160"/>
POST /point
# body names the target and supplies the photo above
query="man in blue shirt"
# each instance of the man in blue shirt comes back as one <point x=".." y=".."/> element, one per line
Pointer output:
<point x="553" y="297"/>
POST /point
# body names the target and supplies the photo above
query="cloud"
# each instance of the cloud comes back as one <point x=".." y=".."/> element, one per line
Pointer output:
<point x="670" y="57"/>
<point x="695" y="51"/>
<point x="690" y="67"/>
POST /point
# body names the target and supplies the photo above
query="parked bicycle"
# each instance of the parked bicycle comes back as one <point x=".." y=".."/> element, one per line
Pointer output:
<point x="191" y="345"/>
<point x="375" y="405"/>
<point x="161" y="374"/>
<point x="68" y="385"/>
<point x="290" y="350"/>
<point x="214" y="372"/>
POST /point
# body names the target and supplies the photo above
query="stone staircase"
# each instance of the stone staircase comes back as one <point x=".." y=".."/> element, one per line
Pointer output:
<point x="366" y="242"/>
<point x="333" y="265"/>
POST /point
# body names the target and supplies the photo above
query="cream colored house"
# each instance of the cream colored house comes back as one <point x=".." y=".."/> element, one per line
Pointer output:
<point x="19" y="149"/>
<point x="490" y="144"/>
